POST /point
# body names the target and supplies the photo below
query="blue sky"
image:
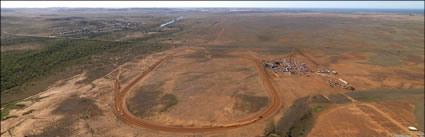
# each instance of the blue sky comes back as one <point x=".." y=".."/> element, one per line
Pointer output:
<point x="250" y="4"/>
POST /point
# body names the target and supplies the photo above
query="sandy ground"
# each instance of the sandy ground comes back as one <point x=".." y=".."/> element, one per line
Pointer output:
<point x="206" y="88"/>
<point x="64" y="109"/>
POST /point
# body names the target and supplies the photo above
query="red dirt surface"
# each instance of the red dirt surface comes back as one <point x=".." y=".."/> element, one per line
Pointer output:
<point x="122" y="110"/>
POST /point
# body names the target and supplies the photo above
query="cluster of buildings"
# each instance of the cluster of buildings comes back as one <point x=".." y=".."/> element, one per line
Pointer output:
<point x="325" y="72"/>
<point x="287" y="65"/>
<point x="340" y="83"/>
<point x="101" y="26"/>
<point x="107" y="26"/>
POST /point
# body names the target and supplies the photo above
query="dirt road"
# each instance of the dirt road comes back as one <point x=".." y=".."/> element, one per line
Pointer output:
<point x="384" y="119"/>
<point x="219" y="34"/>
<point x="123" y="112"/>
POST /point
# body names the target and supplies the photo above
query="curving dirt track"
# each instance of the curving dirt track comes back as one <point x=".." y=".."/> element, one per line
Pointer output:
<point x="122" y="110"/>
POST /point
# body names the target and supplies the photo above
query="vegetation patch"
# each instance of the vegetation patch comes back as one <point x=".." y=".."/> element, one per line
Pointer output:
<point x="415" y="59"/>
<point x="390" y="57"/>
<point x="348" y="101"/>
<point x="142" y="103"/>
<point x="296" y="121"/>
<point x="386" y="60"/>
<point x="35" y="99"/>
<point x="369" y="97"/>
<point x="75" y="105"/>
<point x="419" y="112"/>
<point x="10" y="106"/>
<point x="11" y="116"/>
<point x="148" y="100"/>
<point x="29" y="72"/>
<point x="334" y="51"/>
<point x="25" y="73"/>
<point x="374" y="95"/>
<point x="20" y="67"/>
<point x="266" y="37"/>
<point x="250" y="104"/>
<point x="318" y="108"/>
<point x="198" y="56"/>
<point x="15" y="105"/>
<point x="271" y="130"/>
<point x="168" y="100"/>
<point x="410" y="76"/>
<point x="84" y="117"/>
<point x="14" y="41"/>
<point x="384" y="94"/>
<point x="71" y="107"/>
<point x="18" y="47"/>
<point x="301" y="126"/>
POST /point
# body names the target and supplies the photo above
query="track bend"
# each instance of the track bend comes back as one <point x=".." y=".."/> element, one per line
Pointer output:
<point x="123" y="112"/>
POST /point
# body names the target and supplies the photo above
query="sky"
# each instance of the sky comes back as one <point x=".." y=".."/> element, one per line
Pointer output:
<point x="218" y="4"/>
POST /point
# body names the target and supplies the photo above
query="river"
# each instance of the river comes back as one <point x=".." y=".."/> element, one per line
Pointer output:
<point x="171" y="21"/>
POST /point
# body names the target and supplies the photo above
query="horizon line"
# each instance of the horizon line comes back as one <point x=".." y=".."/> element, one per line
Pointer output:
<point x="206" y="8"/>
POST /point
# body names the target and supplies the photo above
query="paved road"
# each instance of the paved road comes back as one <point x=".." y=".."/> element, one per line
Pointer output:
<point x="122" y="110"/>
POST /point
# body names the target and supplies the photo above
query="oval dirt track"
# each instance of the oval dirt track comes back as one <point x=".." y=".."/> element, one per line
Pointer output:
<point x="124" y="113"/>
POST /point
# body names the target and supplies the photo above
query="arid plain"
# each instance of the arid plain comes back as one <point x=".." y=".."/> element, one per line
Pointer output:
<point x="211" y="79"/>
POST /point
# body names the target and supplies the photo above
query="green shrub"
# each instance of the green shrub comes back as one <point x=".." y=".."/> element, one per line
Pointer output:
<point x="10" y="106"/>
<point x="318" y="108"/>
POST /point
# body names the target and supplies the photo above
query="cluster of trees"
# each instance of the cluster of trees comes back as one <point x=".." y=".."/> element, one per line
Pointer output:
<point x="19" y="67"/>
<point x="26" y="72"/>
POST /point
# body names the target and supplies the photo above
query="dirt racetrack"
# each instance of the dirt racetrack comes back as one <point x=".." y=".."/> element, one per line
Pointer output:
<point x="124" y="113"/>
